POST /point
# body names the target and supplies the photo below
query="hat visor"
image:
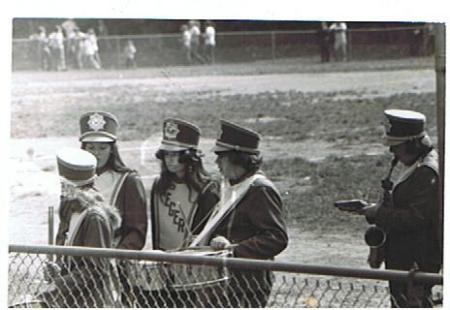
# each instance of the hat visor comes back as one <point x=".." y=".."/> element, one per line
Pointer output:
<point x="219" y="148"/>
<point x="392" y="142"/>
<point x="97" y="138"/>
<point x="172" y="148"/>
<point x="78" y="183"/>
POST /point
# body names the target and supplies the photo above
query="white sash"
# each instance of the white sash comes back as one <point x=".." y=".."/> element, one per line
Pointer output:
<point x="430" y="161"/>
<point x="117" y="188"/>
<point x="230" y="197"/>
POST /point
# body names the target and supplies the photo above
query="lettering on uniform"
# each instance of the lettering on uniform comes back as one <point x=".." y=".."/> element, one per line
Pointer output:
<point x="173" y="211"/>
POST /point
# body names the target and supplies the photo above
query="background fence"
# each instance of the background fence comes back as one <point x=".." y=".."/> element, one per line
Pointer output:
<point x="165" y="49"/>
<point x="88" y="277"/>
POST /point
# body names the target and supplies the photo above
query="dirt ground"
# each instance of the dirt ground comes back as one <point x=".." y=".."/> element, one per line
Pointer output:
<point x="300" y="115"/>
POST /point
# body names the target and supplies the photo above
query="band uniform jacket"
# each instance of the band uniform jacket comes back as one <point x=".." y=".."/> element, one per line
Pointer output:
<point x="132" y="205"/>
<point x="82" y="281"/>
<point x="414" y="220"/>
<point x="257" y="228"/>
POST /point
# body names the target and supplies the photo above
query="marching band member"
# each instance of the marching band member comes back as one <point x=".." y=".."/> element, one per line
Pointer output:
<point x="411" y="218"/>
<point x="249" y="218"/>
<point x="182" y="197"/>
<point x="120" y="186"/>
<point x="85" y="220"/>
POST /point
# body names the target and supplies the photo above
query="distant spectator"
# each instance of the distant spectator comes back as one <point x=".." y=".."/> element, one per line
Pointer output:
<point x="416" y="41"/>
<point x="428" y="39"/>
<point x="56" y="44"/>
<point x="325" y="40"/>
<point x="69" y="27"/>
<point x="195" y="41"/>
<point x="186" y="43"/>
<point x="210" y="42"/>
<point x="130" y="54"/>
<point x="89" y="53"/>
<point x="79" y="47"/>
<point x="102" y="31"/>
<point x="41" y="47"/>
<point x="32" y="47"/>
<point x="93" y="41"/>
<point x="422" y="40"/>
<point x="339" y="29"/>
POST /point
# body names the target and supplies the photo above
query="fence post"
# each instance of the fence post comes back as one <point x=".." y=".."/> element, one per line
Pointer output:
<point x="118" y="52"/>
<point x="439" y="50"/>
<point x="50" y="229"/>
<point x="349" y="45"/>
<point x="273" y="43"/>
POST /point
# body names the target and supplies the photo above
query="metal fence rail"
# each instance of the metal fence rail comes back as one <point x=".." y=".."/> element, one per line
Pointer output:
<point x="165" y="49"/>
<point x="52" y="276"/>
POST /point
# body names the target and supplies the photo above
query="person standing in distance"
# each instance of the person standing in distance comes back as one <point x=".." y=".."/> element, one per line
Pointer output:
<point x="210" y="42"/>
<point x="412" y="217"/>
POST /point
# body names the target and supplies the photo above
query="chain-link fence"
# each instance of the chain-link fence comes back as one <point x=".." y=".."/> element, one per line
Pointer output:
<point x="166" y="49"/>
<point x="47" y="276"/>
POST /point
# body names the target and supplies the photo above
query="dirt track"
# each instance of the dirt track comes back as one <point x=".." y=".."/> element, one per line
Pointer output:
<point x="35" y="184"/>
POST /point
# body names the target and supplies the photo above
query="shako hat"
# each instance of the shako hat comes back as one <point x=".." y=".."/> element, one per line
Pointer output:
<point x="233" y="137"/>
<point x="98" y="127"/>
<point x="76" y="166"/>
<point x="179" y="135"/>
<point x="403" y="125"/>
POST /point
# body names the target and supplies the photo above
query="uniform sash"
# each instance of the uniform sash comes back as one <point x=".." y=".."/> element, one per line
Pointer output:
<point x="430" y="160"/>
<point x="231" y="195"/>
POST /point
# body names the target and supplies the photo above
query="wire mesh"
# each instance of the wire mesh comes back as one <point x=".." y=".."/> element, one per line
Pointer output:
<point x="35" y="280"/>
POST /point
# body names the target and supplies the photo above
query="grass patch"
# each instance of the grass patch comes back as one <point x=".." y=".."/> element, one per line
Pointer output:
<point x="309" y="189"/>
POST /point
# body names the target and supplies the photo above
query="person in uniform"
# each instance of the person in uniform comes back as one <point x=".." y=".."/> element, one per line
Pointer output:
<point x="85" y="220"/>
<point x="119" y="185"/>
<point x="181" y="199"/>
<point x="411" y="217"/>
<point x="184" y="194"/>
<point x="249" y="219"/>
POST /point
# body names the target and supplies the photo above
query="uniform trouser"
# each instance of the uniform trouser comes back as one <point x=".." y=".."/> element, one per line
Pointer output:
<point x="58" y="59"/>
<point x="209" y="53"/>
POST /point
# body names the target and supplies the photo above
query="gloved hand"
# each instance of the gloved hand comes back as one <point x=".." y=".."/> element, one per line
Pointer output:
<point x="220" y="243"/>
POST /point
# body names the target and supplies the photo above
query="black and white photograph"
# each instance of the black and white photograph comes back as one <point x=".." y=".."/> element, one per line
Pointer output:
<point x="195" y="159"/>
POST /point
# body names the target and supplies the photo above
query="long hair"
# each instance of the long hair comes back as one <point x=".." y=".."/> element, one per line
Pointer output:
<point x="419" y="147"/>
<point x="250" y="162"/>
<point x="195" y="177"/>
<point x="114" y="162"/>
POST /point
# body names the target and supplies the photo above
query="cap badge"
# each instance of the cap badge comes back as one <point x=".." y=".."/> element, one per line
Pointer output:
<point x="171" y="130"/>
<point x="96" y="122"/>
